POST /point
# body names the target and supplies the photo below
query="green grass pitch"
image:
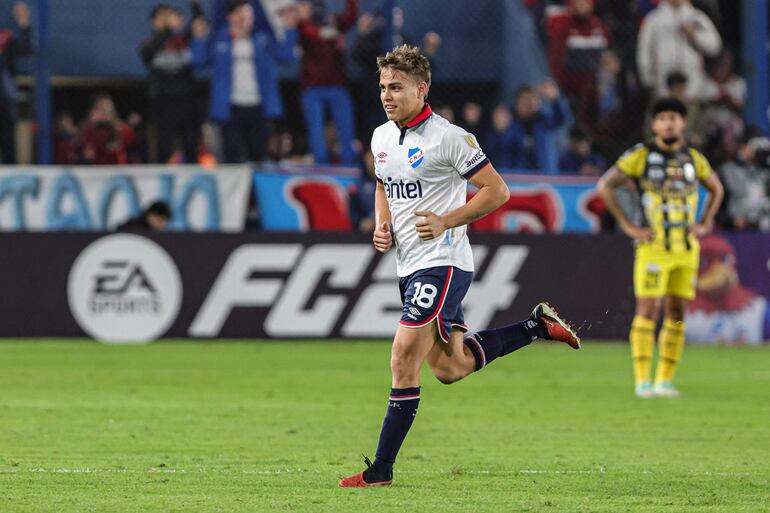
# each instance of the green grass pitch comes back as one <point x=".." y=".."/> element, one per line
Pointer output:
<point x="271" y="426"/>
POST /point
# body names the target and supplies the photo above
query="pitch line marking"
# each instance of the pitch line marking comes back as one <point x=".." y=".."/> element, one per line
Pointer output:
<point x="270" y="472"/>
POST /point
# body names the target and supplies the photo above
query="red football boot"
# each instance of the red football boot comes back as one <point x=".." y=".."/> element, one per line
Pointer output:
<point x="558" y="329"/>
<point x="369" y="477"/>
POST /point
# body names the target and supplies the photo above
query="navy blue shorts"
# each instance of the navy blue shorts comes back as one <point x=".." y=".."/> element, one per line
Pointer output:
<point x="435" y="293"/>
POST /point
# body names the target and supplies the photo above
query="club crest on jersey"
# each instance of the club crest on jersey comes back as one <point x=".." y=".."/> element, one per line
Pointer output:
<point x="416" y="156"/>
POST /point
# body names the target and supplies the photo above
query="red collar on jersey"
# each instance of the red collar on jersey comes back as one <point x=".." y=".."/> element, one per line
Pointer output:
<point x="422" y="116"/>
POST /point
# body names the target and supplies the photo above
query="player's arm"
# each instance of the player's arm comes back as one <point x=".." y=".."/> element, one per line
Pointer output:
<point x="383" y="233"/>
<point x="607" y="187"/>
<point x="716" y="193"/>
<point x="493" y="192"/>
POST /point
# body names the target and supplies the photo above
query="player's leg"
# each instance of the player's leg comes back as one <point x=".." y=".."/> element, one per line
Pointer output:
<point x="456" y="356"/>
<point x="642" y="340"/>
<point x="409" y="350"/>
<point x="681" y="288"/>
<point x="670" y="346"/>
<point x="650" y="279"/>
<point x="451" y="361"/>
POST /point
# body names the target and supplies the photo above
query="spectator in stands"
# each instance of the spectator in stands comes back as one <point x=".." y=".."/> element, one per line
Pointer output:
<point x="619" y="106"/>
<point x="576" y="42"/>
<point x="621" y="17"/>
<point x="65" y="139"/>
<point x="537" y="113"/>
<point x="538" y="9"/>
<point x="361" y="196"/>
<point x="579" y="158"/>
<point x="154" y="218"/>
<point x="724" y="95"/>
<point x="710" y="7"/>
<point x="676" y="36"/>
<point x="676" y="84"/>
<point x="280" y="146"/>
<point x="500" y="141"/>
<point x="244" y="82"/>
<point x="446" y="112"/>
<point x="166" y="55"/>
<point x="747" y="183"/>
<point x="104" y="139"/>
<point x="368" y="45"/>
<point x="323" y="78"/>
<point x="13" y="44"/>
<point x="608" y="78"/>
<point x="472" y="118"/>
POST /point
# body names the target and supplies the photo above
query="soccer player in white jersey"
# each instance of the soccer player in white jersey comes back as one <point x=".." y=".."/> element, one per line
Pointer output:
<point x="422" y="163"/>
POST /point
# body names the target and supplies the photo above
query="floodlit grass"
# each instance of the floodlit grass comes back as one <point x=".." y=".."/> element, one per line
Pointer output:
<point x="272" y="426"/>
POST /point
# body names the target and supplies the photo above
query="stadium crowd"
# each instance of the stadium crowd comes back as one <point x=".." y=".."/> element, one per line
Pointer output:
<point x="607" y="61"/>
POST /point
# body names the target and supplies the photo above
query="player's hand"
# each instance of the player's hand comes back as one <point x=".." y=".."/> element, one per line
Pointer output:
<point x="638" y="233"/>
<point x="383" y="238"/>
<point x="431" y="227"/>
<point x="701" y="229"/>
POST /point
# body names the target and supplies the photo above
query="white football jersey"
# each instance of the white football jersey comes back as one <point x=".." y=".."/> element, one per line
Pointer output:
<point x="424" y="166"/>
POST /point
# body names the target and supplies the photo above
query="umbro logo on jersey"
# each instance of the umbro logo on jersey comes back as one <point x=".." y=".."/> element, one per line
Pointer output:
<point x="381" y="157"/>
<point x="416" y="156"/>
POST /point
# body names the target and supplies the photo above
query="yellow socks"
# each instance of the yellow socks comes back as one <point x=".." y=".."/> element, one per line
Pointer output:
<point x="642" y="340"/>
<point x="670" y="347"/>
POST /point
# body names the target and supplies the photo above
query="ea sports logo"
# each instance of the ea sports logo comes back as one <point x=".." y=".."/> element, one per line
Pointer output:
<point x="124" y="289"/>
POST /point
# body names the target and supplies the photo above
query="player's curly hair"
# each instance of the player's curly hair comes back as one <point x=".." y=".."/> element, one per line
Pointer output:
<point x="408" y="59"/>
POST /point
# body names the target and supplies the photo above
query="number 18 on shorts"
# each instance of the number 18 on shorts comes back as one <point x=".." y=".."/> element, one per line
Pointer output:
<point x="435" y="294"/>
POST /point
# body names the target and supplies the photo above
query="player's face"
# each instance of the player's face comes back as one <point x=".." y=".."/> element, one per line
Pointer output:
<point x="402" y="96"/>
<point x="669" y="126"/>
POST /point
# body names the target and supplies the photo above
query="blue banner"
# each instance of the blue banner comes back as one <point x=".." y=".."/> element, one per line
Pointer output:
<point x="97" y="198"/>
<point x="314" y="200"/>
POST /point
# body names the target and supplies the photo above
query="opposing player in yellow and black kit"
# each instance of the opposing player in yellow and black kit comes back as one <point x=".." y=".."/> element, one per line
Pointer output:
<point x="667" y="174"/>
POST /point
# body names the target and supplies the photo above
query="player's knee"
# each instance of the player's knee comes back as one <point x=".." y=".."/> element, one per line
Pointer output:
<point x="403" y="365"/>
<point x="649" y="311"/>
<point x="675" y="313"/>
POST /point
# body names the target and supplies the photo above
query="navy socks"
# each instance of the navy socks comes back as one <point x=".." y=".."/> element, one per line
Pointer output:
<point x="402" y="408"/>
<point x="489" y="344"/>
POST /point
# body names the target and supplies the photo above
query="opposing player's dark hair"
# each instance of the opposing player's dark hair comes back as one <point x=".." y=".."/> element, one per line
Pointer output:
<point x="668" y="105"/>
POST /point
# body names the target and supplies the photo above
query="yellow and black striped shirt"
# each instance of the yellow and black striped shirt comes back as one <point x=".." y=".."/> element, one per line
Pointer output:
<point x="668" y="188"/>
